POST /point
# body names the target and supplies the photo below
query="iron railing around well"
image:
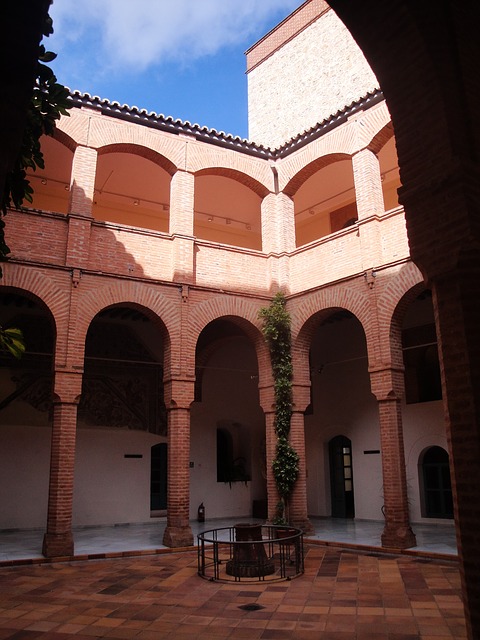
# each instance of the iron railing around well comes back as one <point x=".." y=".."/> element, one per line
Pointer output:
<point x="250" y="553"/>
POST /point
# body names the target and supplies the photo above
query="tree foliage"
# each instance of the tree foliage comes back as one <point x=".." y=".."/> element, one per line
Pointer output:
<point x="48" y="103"/>
<point x="277" y="334"/>
<point x="11" y="341"/>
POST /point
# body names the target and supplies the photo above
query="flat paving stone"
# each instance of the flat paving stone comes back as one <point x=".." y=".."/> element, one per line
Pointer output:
<point x="161" y="596"/>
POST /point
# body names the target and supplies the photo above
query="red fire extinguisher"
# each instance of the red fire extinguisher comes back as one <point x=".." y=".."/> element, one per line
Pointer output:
<point x="201" y="513"/>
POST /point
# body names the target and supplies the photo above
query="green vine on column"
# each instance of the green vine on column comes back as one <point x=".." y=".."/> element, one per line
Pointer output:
<point x="277" y="334"/>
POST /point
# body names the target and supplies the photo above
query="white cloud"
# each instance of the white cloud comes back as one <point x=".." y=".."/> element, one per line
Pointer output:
<point x="136" y="34"/>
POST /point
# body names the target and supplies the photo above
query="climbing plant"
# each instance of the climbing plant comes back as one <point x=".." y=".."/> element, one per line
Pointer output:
<point x="277" y="334"/>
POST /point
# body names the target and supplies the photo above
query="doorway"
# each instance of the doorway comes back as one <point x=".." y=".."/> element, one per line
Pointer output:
<point x="158" y="477"/>
<point x="341" y="477"/>
<point x="437" y="488"/>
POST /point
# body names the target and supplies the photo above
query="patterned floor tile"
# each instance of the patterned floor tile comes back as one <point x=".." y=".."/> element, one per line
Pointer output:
<point x="342" y="595"/>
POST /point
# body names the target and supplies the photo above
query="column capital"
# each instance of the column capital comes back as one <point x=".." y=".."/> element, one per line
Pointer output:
<point x="301" y="396"/>
<point x="67" y="387"/>
<point x="179" y="392"/>
<point x="387" y="382"/>
<point x="267" y="398"/>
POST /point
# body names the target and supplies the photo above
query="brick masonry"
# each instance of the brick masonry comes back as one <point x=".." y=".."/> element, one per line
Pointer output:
<point x="77" y="266"/>
<point x="318" y="81"/>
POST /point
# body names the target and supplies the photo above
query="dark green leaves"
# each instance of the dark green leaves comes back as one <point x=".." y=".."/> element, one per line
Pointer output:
<point x="285" y="467"/>
<point x="276" y="331"/>
<point x="49" y="101"/>
<point x="11" y="340"/>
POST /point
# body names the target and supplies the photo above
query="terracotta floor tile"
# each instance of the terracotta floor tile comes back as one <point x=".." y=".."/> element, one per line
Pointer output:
<point x="342" y="596"/>
<point x="42" y="625"/>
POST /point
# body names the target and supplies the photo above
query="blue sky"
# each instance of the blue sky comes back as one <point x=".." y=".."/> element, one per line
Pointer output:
<point x="184" y="59"/>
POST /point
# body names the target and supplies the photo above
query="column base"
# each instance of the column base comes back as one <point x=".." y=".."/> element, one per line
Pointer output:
<point x="305" y="525"/>
<point x="398" y="537"/>
<point x="178" y="537"/>
<point x="56" y="545"/>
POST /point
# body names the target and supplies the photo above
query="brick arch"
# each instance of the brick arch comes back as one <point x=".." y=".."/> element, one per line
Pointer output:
<point x="65" y="139"/>
<point x="54" y="298"/>
<point x="154" y="305"/>
<point x="381" y="138"/>
<point x="352" y="297"/>
<point x="208" y="158"/>
<point x="202" y="357"/>
<point x="239" y="311"/>
<point x="294" y="184"/>
<point x="397" y="322"/>
<point x="239" y="176"/>
<point x="401" y="290"/>
<point x="318" y="306"/>
<point x="139" y="150"/>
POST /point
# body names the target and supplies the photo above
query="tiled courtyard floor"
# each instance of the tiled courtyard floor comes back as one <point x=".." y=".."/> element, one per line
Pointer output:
<point x="343" y="595"/>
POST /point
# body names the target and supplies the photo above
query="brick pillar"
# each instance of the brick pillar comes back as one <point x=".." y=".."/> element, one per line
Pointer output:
<point x="178" y="397"/>
<point x="58" y="539"/>
<point x="270" y="441"/>
<point x="444" y="235"/>
<point x="387" y="386"/>
<point x="80" y="206"/>
<point x="368" y="184"/>
<point x="456" y="299"/>
<point x="267" y="402"/>
<point x="278" y="237"/>
<point x="370" y="205"/>
<point x="181" y="226"/>
<point x="82" y="181"/>
<point x="298" y="499"/>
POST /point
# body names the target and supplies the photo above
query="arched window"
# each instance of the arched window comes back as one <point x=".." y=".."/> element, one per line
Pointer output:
<point x="435" y="482"/>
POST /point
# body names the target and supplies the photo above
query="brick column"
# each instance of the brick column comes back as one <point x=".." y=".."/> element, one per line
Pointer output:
<point x="368" y="184"/>
<point x="298" y="499"/>
<point x="58" y="539"/>
<point x="278" y="237"/>
<point x="178" y="397"/>
<point x="387" y="386"/>
<point x="80" y="207"/>
<point x="444" y="235"/>
<point x="370" y="204"/>
<point x="181" y="226"/>
<point x="267" y="402"/>
<point x="82" y="183"/>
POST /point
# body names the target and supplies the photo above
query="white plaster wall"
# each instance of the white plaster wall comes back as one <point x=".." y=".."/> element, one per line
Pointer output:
<point x="310" y="78"/>
<point x="229" y="400"/>
<point x="343" y="405"/>
<point x="423" y="427"/>
<point x="109" y="488"/>
<point x="24" y="475"/>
